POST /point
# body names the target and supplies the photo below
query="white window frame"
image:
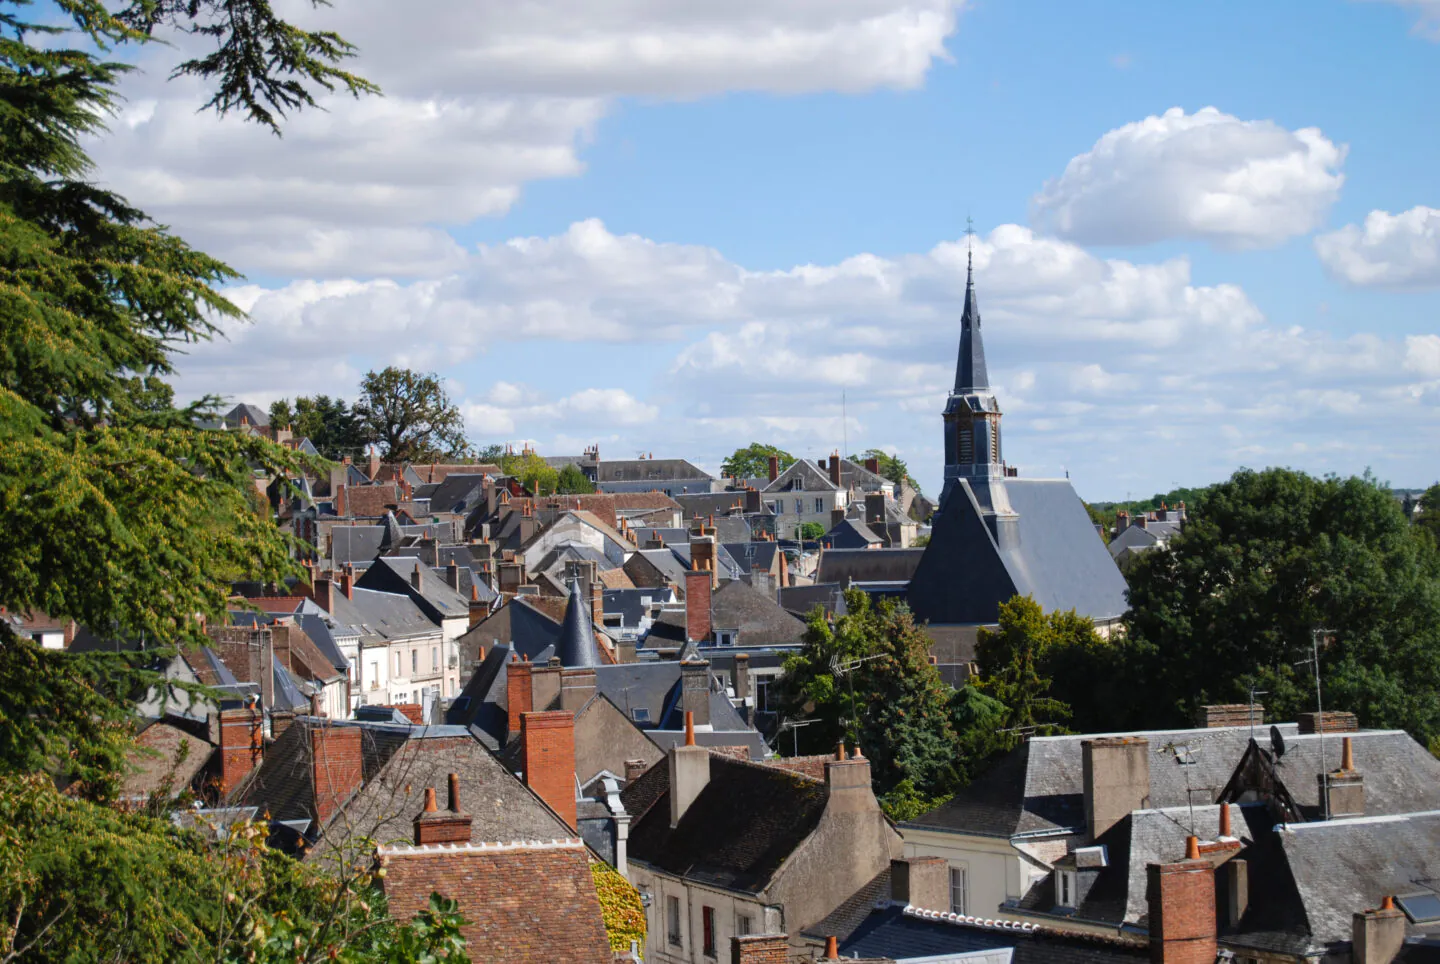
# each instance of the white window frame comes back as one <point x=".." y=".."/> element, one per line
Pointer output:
<point x="819" y="505"/>
<point x="674" y="931"/>
<point x="960" y="872"/>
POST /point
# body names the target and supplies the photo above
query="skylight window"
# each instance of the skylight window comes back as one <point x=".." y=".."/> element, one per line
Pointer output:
<point x="640" y="714"/>
<point x="1420" y="908"/>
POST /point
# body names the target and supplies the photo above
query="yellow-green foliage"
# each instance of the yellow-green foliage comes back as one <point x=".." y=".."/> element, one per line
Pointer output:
<point x="620" y="904"/>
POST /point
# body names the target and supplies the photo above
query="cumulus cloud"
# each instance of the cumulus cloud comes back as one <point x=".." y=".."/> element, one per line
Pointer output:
<point x="1387" y="251"/>
<point x="499" y="96"/>
<point x="1206" y="175"/>
<point x="1102" y="365"/>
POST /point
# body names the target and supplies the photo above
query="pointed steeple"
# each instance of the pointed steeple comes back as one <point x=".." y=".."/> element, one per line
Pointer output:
<point x="576" y="645"/>
<point x="970" y="373"/>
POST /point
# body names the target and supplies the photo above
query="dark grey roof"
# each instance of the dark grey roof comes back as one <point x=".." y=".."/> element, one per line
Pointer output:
<point x="1039" y="786"/>
<point x="394" y="573"/>
<point x="723" y="563"/>
<point x="844" y="566"/>
<point x="857" y="475"/>
<point x="753" y="555"/>
<point x="673" y="567"/>
<point x="705" y="504"/>
<point x="315" y="626"/>
<point x="668" y="536"/>
<point x="383" y="616"/>
<point x="392" y="537"/>
<point x="655" y="687"/>
<point x="898" y="933"/>
<point x="576" y="643"/>
<point x="362" y="543"/>
<point x="255" y="416"/>
<point x="970" y="373"/>
<point x="852" y="534"/>
<point x="648" y="470"/>
<point x="1060" y="562"/>
<point x="802" y="476"/>
<point x="524" y="628"/>
<point x="457" y="493"/>
<point x="799" y="600"/>
<point x="628" y="604"/>
<point x="738" y="606"/>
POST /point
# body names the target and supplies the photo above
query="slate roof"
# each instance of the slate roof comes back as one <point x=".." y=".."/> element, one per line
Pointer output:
<point x="900" y="933"/>
<point x="1039" y="786"/>
<point x="739" y="830"/>
<point x="383" y="616"/>
<point x="655" y="686"/>
<point x="852" y="534"/>
<point x="704" y="504"/>
<point x="803" y="475"/>
<point x="736" y="605"/>
<point x="362" y="543"/>
<point x="841" y="565"/>
<point x="963" y="576"/>
<point x="857" y="475"/>
<point x="643" y="470"/>
<point x="393" y="574"/>
<point x="667" y="563"/>
<point x="751" y="556"/>
<point x="254" y="415"/>
<point x="799" y="600"/>
<point x="459" y="492"/>
<point x="520" y="624"/>
<point x="970" y="373"/>
<point x="575" y="644"/>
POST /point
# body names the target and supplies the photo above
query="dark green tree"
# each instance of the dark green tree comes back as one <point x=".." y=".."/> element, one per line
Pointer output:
<point x="1267" y="558"/>
<point x="571" y="481"/>
<point x="891" y="467"/>
<point x="490" y="454"/>
<point x="753" y="461"/>
<point x="1011" y="662"/>
<point x="534" y="473"/>
<point x="410" y="416"/>
<point x="811" y="530"/>
<point x="330" y="425"/>
<point x="1428" y="518"/>
<point x="900" y="714"/>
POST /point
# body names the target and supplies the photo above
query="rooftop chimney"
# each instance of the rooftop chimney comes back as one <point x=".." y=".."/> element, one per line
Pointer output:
<point x="1331" y="721"/>
<point x="922" y="882"/>
<point x="742" y="678"/>
<point x="337" y="769"/>
<point x="695" y="691"/>
<point x="634" y="769"/>
<point x="774" y="468"/>
<point x="835" y="469"/>
<point x="452" y="575"/>
<point x="374" y="461"/>
<point x="519" y="693"/>
<point x="697" y="606"/>
<point x="415" y="576"/>
<point x="872" y="465"/>
<point x="875" y="508"/>
<point x="548" y="749"/>
<point x="1230" y="714"/>
<point x="241" y="745"/>
<point x="347" y="581"/>
<point x="689" y="772"/>
<point x="436" y="826"/>
<point x="1116" y="779"/>
<point x="760" y="949"/>
<point x="832" y="949"/>
<point x="1377" y="936"/>
<point x="1182" y="909"/>
<point x="848" y="782"/>
<point x="1343" y="790"/>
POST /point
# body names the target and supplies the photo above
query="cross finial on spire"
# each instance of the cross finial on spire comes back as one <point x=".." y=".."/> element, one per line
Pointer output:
<point x="969" y="243"/>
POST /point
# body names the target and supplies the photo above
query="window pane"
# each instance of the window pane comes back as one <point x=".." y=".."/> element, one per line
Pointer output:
<point x="672" y="905"/>
<point x="707" y="919"/>
<point x="957" y="890"/>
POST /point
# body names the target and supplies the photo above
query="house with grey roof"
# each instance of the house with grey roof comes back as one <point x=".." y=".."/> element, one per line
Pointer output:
<point x="997" y="535"/>
<point x="673" y="477"/>
<point x="1143" y="532"/>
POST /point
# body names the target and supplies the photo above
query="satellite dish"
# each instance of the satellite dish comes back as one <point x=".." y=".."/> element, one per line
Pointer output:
<point x="1277" y="742"/>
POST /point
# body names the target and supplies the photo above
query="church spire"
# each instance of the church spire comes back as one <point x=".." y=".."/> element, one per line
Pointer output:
<point x="970" y="373"/>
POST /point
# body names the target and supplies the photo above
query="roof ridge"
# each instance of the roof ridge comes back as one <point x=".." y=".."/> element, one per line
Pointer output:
<point x="410" y="850"/>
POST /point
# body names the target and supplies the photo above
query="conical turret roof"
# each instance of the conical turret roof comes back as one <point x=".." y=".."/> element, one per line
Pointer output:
<point x="576" y="644"/>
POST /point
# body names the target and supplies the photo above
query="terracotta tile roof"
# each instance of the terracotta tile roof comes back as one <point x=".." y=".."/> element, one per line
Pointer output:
<point x="810" y="766"/>
<point x="601" y="506"/>
<point x="551" y="606"/>
<point x="644" y="500"/>
<point x="526" y="903"/>
<point x="367" y="501"/>
<point x="433" y="472"/>
<point x="615" y="579"/>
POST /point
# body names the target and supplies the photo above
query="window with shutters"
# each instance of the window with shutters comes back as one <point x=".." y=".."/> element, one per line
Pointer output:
<point x="742" y="924"/>
<point x="957" y="890"/>
<point x="707" y="923"/>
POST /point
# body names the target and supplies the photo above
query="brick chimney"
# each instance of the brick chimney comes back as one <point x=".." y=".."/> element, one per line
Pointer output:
<point x="702" y="555"/>
<point x="336" y="767"/>
<point x="848" y="782"/>
<point x="695" y="690"/>
<point x="774" y="468"/>
<point x="689" y="772"/>
<point x="1116" y="779"/>
<point x="872" y="465"/>
<point x="1344" y="789"/>
<point x="835" y="469"/>
<point x="1331" y="721"/>
<point x="875" y="508"/>
<point x="1378" y="935"/>
<point x="519" y="691"/>
<point x="1182" y="909"/>
<point x="760" y="949"/>
<point x="922" y="882"/>
<point x="340" y="500"/>
<point x="1230" y="714"/>
<point x="697" y="606"/>
<point x="478" y="609"/>
<point x="634" y="769"/>
<point x="241" y="745"/>
<point x="548" y="759"/>
<point x="347" y="581"/>
<point x="436" y="826"/>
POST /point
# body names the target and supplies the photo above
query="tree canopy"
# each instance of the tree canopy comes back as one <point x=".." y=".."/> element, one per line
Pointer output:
<point x="891" y="467"/>
<point x="753" y="461"/>
<point x="410" y="416"/>
<point x="329" y="423"/>
<point x="534" y="473"/>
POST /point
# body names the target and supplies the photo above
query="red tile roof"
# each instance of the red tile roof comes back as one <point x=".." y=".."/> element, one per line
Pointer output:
<point x="526" y="903"/>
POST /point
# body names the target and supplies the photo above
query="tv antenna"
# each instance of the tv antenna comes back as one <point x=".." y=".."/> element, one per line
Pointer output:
<point x="1316" y="635"/>
<point x="845" y="668"/>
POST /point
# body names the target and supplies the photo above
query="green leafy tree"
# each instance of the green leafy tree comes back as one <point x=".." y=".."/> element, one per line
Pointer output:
<point x="891" y="467"/>
<point x="1268" y="557"/>
<point x="571" y="481"/>
<point x="811" y="531"/>
<point x="1011" y="658"/>
<point x="1428" y="518"/>
<point x="490" y="454"/>
<point x="1103" y="519"/>
<point x="900" y="713"/>
<point x="753" y="461"/>
<point x="330" y="425"/>
<point x="281" y="414"/>
<point x="534" y="473"/>
<point x="410" y="416"/>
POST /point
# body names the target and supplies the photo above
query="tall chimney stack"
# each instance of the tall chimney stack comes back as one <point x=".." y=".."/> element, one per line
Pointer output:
<point x="1116" y="774"/>
<point x="689" y="772"/>
<point x="548" y="754"/>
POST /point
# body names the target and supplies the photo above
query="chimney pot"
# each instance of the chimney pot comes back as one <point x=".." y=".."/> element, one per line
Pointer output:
<point x="840" y="751"/>
<point x="1192" y="848"/>
<point x="832" y="949"/>
<point x="1225" y="820"/>
<point x="1347" y="755"/>
<point x="689" y="728"/>
<point x="1387" y="902"/>
<point x="454" y="793"/>
<point x="430" y="806"/>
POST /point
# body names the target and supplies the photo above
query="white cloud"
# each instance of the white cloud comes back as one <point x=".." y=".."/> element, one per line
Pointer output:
<point x="1105" y="366"/>
<point x="1206" y="175"/>
<point x="1427" y="16"/>
<point x="498" y="96"/>
<point x="1389" y="250"/>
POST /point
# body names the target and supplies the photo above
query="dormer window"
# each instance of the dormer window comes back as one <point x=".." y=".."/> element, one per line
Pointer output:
<point x="1065" y="888"/>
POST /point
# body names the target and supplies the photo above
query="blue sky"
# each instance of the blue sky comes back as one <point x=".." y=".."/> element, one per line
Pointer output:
<point x="680" y="230"/>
